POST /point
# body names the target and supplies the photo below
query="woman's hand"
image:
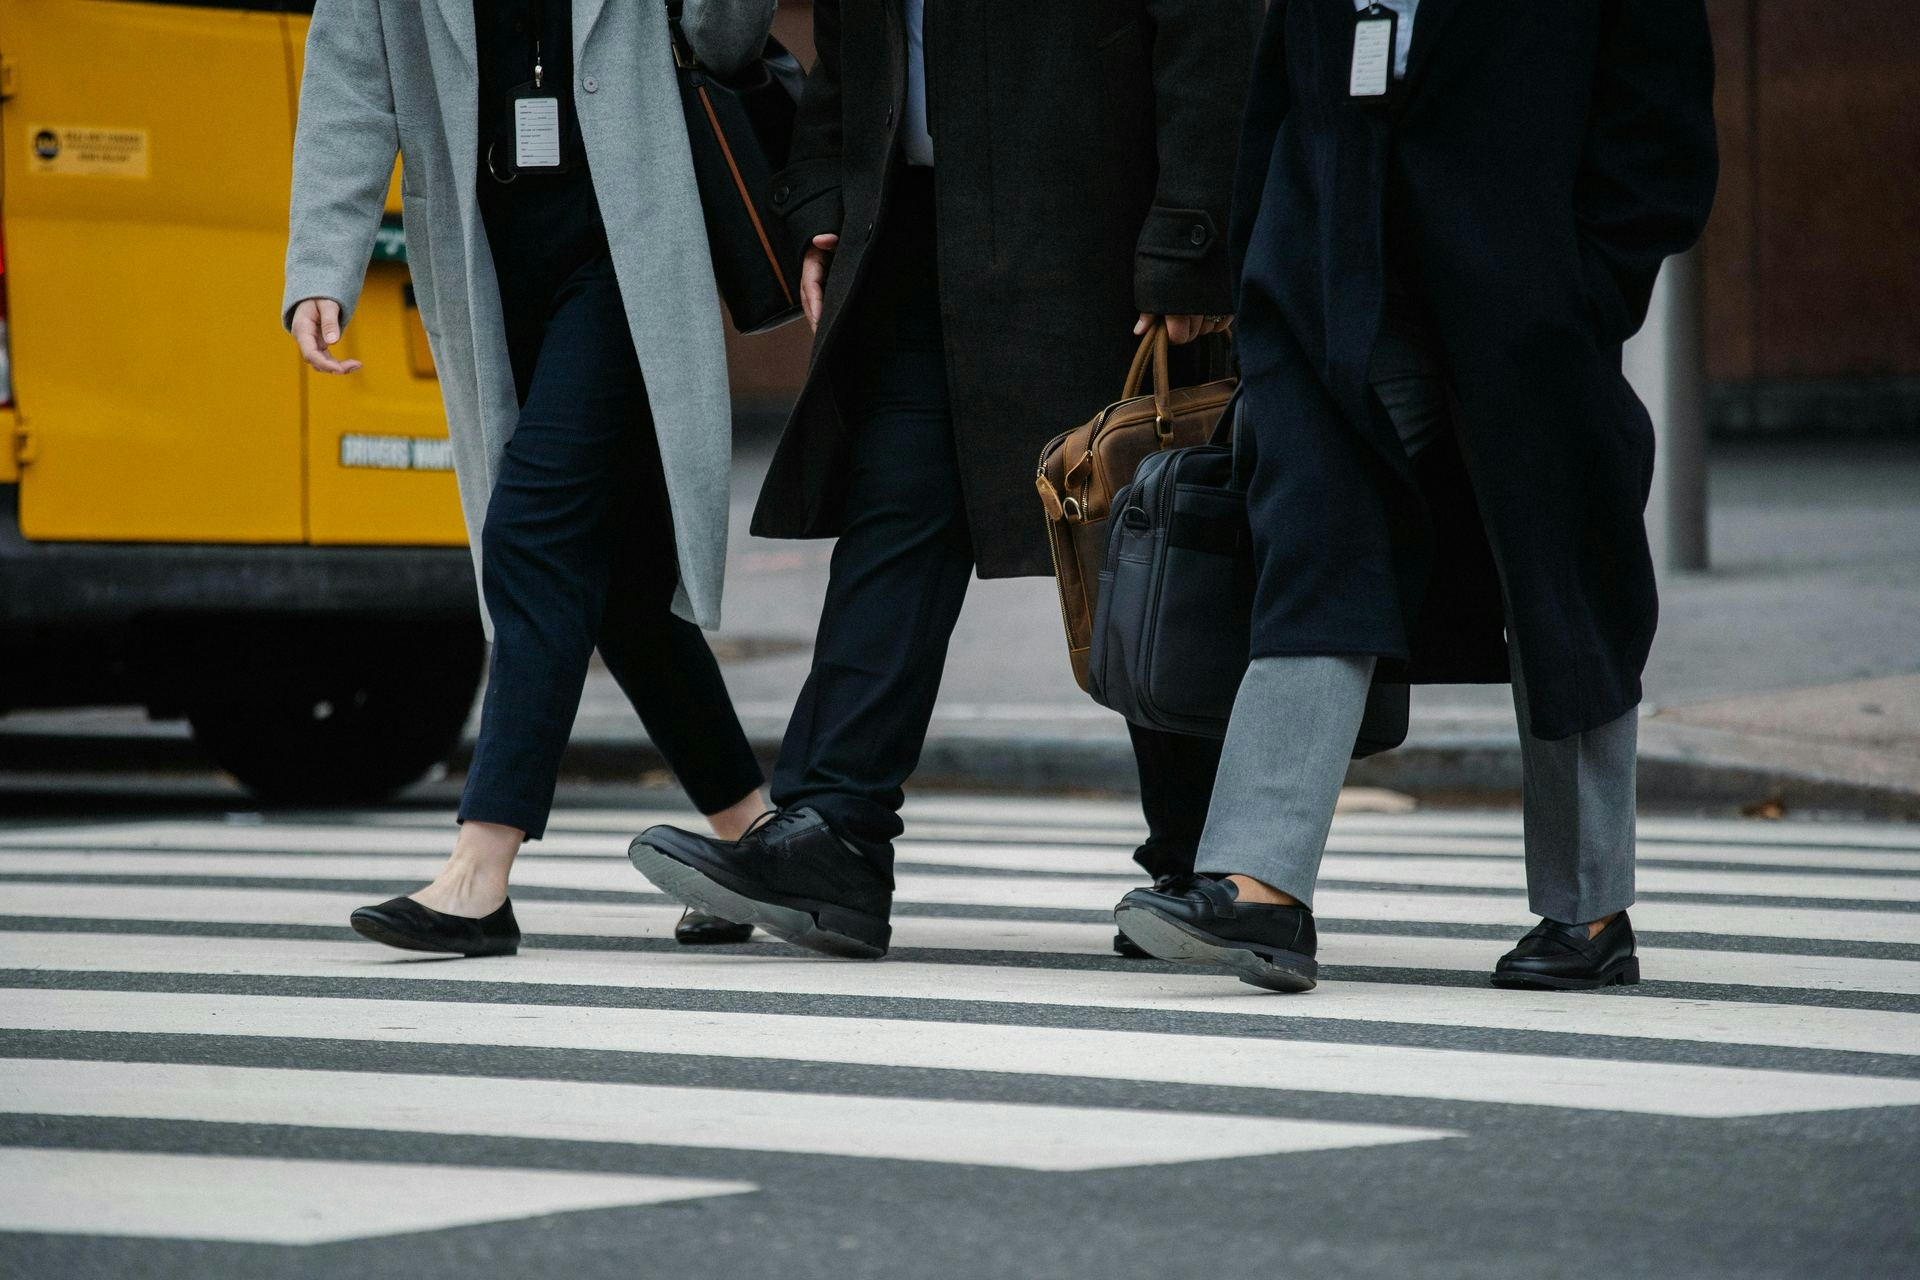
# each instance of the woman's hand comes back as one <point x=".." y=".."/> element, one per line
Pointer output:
<point x="1182" y="329"/>
<point x="813" y="278"/>
<point x="316" y="326"/>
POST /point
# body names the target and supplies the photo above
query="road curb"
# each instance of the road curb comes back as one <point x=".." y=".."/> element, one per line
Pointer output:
<point x="1681" y="766"/>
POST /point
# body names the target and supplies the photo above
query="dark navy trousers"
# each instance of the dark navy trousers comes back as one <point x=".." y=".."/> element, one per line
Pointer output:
<point x="578" y="547"/>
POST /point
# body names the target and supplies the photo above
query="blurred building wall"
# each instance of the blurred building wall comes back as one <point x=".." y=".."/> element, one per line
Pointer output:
<point x="1812" y="260"/>
<point x="1813" y="256"/>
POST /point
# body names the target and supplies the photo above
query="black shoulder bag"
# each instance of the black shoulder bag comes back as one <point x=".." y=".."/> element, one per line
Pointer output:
<point x="740" y="129"/>
<point x="1174" y="628"/>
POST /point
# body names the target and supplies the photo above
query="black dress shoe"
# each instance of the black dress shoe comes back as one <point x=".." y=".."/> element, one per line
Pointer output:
<point x="1127" y="947"/>
<point x="698" y="929"/>
<point x="404" y="923"/>
<point x="1561" y="957"/>
<point x="789" y="874"/>
<point x="1205" y="923"/>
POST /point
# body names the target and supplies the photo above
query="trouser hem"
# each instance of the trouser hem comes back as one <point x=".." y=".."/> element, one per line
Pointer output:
<point x="530" y="821"/>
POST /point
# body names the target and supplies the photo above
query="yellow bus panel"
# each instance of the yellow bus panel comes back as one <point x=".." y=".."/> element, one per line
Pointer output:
<point x="146" y="152"/>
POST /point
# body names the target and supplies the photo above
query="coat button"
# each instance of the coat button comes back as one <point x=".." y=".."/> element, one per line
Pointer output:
<point x="1198" y="235"/>
<point x="780" y="194"/>
<point x="590" y="84"/>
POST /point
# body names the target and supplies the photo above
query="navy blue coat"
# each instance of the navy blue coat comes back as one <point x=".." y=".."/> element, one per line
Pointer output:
<point x="1539" y="164"/>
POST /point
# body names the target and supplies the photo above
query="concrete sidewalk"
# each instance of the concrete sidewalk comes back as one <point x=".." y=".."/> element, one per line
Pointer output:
<point x="1789" y="674"/>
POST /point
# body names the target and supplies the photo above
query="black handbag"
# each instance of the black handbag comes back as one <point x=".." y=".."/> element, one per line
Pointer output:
<point x="740" y="128"/>
<point x="1173" y="631"/>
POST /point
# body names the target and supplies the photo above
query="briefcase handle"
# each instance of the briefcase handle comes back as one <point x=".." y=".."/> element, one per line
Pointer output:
<point x="1153" y="354"/>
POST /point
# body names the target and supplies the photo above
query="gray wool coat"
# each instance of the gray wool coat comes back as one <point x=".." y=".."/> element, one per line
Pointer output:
<point x="398" y="77"/>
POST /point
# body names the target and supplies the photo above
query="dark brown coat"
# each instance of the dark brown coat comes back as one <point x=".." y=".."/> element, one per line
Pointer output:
<point x="1084" y="155"/>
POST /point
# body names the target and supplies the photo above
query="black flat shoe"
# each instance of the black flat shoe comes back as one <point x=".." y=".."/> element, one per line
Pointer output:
<point x="789" y="874"/>
<point x="1126" y="947"/>
<point x="1205" y="923"/>
<point x="406" y="924"/>
<point x="698" y="929"/>
<point x="1561" y="957"/>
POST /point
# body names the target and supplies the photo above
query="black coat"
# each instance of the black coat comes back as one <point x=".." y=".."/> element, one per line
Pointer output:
<point x="1084" y="155"/>
<point x="1539" y="164"/>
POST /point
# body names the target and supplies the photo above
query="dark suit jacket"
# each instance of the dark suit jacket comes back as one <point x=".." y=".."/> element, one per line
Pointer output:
<point x="1541" y="163"/>
<point x="1084" y="156"/>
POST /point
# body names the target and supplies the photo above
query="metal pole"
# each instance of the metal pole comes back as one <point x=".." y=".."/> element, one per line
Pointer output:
<point x="1666" y="363"/>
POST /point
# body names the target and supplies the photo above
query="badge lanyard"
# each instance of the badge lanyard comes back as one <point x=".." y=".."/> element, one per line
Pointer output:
<point x="1375" y="31"/>
<point x="536" y="111"/>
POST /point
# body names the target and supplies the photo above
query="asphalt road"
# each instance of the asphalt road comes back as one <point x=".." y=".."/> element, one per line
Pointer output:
<point x="208" y="1075"/>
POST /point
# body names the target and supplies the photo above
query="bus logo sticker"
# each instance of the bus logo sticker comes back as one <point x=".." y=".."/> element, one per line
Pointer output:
<point x="87" y="151"/>
<point x="396" y="453"/>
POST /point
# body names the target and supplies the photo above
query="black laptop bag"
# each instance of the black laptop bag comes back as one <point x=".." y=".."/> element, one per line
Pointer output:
<point x="1172" y="633"/>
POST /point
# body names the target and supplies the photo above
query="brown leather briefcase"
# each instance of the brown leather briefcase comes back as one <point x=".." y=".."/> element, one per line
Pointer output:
<point x="1082" y="469"/>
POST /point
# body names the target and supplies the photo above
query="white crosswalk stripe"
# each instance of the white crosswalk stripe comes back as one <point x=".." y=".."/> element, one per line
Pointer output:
<point x="549" y="920"/>
<point x="1082" y="893"/>
<point x="1084" y="850"/>
<point x="1315" y="1067"/>
<point x="294" y="1202"/>
<point x="1011" y="1135"/>
<point x="169" y="971"/>
<point x="1650" y="1017"/>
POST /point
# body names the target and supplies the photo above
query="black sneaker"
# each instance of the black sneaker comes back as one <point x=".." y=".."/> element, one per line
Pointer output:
<point x="1174" y="884"/>
<point x="1268" y="946"/>
<point x="1561" y="957"/>
<point x="789" y="874"/>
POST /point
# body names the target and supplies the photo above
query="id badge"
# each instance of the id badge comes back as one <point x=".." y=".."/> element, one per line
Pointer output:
<point x="1374" y="32"/>
<point x="536" y="132"/>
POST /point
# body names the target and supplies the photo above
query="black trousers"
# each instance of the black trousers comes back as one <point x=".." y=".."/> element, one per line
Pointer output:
<point x="578" y="546"/>
<point x="900" y="573"/>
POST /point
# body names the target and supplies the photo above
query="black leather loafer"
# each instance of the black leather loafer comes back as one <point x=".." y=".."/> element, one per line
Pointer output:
<point x="1127" y="947"/>
<point x="1268" y="946"/>
<point x="406" y="924"/>
<point x="698" y="929"/>
<point x="1561" y="957"/>
<point x="789" y="874"/>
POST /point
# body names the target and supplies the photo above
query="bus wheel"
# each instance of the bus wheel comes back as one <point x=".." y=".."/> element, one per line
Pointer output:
<point x="337" y="713"/>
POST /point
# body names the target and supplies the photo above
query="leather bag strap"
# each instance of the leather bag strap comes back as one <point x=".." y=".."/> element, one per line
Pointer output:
<point x="1152" y="355"/>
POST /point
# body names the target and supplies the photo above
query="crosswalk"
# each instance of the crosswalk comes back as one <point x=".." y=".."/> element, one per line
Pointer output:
<point x="191" y="1034"/>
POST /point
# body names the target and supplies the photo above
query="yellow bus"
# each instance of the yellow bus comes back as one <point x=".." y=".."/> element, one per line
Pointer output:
<point x="190" y="520"/>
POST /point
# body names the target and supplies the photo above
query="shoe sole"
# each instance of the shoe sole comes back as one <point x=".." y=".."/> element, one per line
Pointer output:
<point x="379" y="931"/>
<point x="809" y="925"/>
<point x="1168" y="939"/>
<point x="1624" y="974"/>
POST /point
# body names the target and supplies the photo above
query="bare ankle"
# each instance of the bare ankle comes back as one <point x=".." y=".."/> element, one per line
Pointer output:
<point x="732" y="822"/>
<point x="486" y="847"/>
<point x="1595" y="926"/>
<point x="474" y="880"/>
<point x="1247" y="889"/>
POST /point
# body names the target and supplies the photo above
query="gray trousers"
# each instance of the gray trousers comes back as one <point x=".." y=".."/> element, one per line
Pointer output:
<point x="1286" y="755"/>
<point x="1295" y="719"/>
